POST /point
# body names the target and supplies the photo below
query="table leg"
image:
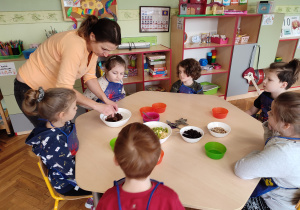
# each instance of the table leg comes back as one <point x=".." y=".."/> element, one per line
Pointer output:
<point x="96" y="198"/>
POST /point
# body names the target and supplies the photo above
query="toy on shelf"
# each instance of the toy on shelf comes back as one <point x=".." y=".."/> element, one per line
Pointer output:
<point x="131" y="70"/>
<point x="215" y="8"/>
<point x="192" y="7"/>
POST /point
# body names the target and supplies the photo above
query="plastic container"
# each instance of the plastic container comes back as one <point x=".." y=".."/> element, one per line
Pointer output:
<point x="161" y="157"/>
<point x="11" y="56"/>
<point x="215" y="150"/>
<point x="211" y="91"/>
<point x="209" y="57"/>
<point x="145" y="109"/>
<point x="112" y="143"/>
<point x="219" y="112"/>
<point x="159" y="107"/>
<point x="28" y="52"/>
<point x="153" y="116"/>
<point x="219" y="40"/>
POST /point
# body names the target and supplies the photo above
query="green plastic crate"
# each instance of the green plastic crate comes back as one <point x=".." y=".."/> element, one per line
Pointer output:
<point x="211" y="91"/>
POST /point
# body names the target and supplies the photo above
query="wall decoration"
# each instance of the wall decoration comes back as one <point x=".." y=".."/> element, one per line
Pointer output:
<point x="290" y="26"/>
<point x="76" y="9"/>
<point x="30" y="17"/>
<point x="154" y="19"/>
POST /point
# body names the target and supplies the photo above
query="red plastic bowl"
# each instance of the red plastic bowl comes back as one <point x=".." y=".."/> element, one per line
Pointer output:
<point x="145" y="109"/>
<point x="159" y="107"/>
<point x="161" y="157"/>
<point x="219" y="112"/>
<point x="153" y="116"/>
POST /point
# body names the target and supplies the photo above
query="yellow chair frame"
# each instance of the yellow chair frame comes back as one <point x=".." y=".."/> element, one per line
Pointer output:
<point x="58" y="197"/>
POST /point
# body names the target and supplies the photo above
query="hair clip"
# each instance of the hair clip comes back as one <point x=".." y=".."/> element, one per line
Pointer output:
<point x="41" y="94"/>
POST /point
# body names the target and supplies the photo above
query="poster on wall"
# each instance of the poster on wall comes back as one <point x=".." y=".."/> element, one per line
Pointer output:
<point x="76" y="9"/>
<point x="290" y="26"/>
<point x="7" y="69"/>
<point x="154" y="19"/>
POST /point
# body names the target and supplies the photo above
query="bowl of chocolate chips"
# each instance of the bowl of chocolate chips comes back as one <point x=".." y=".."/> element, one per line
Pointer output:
<point x="191" y="134"/>
<point x="120" y="118"/>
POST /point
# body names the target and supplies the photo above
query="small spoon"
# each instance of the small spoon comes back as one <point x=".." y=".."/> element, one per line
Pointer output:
<point x="147" y="115"/>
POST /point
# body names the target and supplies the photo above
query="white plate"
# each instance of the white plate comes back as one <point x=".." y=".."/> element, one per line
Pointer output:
<point x="190" y="140"/>
<point x="126" y="116"/>
<point x="226" y="127"/>
<point x="153" y="124"/>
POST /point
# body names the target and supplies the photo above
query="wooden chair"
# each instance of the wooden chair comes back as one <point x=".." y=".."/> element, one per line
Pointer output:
<point x="58" y="197"/>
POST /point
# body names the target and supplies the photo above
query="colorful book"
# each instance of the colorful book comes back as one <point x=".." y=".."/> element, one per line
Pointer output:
<point x="158" y="72"/>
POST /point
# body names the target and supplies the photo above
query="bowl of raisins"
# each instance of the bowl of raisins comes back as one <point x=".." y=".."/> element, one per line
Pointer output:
<point x="191" y="134"/>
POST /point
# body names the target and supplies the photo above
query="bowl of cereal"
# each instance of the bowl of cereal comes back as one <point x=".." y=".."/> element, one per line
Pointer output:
<point x="119" y="119"/>
<point x="162" y="130"/>
<point x="218" y="129"/>
<point x="191" y="134"/>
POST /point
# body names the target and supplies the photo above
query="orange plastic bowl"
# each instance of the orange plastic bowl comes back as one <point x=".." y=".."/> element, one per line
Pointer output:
<point x="159" y="107"/>
<point x="146" y="109"/>
<point x="219" y="112"/>
<point x="161" y="157"/>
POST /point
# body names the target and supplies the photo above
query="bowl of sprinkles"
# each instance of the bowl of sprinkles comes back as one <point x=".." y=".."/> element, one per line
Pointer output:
<point x="191" y="134"/>
<point x="218" y="129"/>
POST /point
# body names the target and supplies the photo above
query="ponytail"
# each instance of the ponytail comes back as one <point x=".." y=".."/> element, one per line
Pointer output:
<point x="49" y="103"/>
<point x="86" y="26"/>
<point x="286" y="72"/>
<point x="104" y="29"/>
<point x="295" y="66"/>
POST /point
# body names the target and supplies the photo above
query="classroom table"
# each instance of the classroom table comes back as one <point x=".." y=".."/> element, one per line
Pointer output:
<point x="200" y="182"/>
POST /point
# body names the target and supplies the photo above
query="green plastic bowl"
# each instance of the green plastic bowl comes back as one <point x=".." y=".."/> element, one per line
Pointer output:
<point x="215" y="150"/>
<point x="112" y="143"/>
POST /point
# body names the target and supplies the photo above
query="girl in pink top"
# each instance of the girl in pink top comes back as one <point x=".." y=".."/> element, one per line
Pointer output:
<point x="67" y="56"/>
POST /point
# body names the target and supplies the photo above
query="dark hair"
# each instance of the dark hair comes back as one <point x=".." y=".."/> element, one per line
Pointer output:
<point x="137" y="150"/>
<point x="55" y="100"/>
<point x="286" y="72"/>
<point x="191" y="67"/>
<point x="296" y="198"/>
<point x="105" y="30"/>
<point x="286" y="109"/>
<point x="112" y="61"/>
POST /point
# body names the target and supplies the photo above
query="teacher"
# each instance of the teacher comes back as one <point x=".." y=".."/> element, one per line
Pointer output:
<point x="67" y="56"/>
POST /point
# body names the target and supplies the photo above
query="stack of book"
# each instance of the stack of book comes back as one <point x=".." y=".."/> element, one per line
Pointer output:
<point x="157" y="64"/>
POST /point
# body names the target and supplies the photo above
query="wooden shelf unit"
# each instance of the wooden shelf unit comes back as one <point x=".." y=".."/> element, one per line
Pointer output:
<point x="5" y="122"/>
<point x="143" y="77"/>
<point x="223" y="25"/>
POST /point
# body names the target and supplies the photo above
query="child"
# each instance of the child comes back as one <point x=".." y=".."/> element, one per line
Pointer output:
<point x="278" y="162"/>
<point x="188" y="70"/>
<point x="111" y="82"/>
<point x="55" y="139"/>
<point x="279" y="77"/>
<point x="137" y="150"/>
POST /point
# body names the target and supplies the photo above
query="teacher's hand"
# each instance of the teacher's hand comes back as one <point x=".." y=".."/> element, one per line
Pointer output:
<point x="105" y="109"/>
<point x="114" y="104"/>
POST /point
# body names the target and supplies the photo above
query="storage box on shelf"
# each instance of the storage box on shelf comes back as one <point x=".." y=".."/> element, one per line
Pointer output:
<point x="143" y="78"/>
<point x="224" y="25"/>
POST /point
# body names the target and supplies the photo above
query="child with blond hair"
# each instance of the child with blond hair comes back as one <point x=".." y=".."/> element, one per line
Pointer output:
<point x="137" y="151"/>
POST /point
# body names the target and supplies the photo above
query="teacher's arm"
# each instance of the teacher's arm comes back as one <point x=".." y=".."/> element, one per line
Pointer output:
<point x="94" y="86"/>
<point x="105" y="109"/>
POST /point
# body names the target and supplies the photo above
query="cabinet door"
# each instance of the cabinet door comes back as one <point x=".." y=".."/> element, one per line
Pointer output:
<point x="240" y="62"/>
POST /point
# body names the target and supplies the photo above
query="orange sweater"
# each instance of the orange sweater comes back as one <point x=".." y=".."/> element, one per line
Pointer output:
<point x="58" y="62"/>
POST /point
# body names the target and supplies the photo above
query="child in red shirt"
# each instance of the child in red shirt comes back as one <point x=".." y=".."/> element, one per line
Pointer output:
<point x="137" y="151"/>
